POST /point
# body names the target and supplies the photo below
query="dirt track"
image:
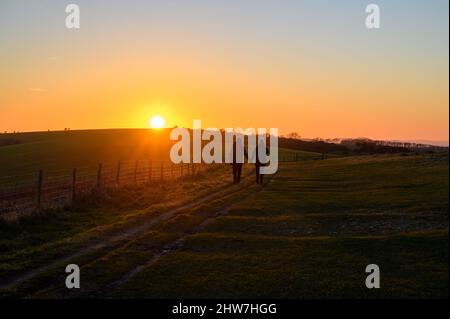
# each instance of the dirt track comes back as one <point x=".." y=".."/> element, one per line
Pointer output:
<point x="93" y="250"/>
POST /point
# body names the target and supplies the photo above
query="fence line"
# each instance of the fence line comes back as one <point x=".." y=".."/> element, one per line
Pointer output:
<point x="59" y="188"/>
<point x="63" y="187"/>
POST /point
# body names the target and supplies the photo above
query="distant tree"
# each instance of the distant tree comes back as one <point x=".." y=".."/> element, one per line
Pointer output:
<point x="294" y="135"/>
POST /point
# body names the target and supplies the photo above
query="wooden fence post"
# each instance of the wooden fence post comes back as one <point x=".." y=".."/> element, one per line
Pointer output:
<point x="118" y="173"/>
<point x="99" y="175"/>
<point x="162" y="171"/>
<point x="74" y="185"/>
<point x="39" y="190"/>
<point x="150" y="170"/>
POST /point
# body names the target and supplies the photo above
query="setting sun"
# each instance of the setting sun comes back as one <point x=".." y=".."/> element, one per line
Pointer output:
<point x="157" y="122"/>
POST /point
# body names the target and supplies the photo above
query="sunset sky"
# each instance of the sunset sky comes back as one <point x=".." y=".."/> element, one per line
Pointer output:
<point x="309" y="66"/>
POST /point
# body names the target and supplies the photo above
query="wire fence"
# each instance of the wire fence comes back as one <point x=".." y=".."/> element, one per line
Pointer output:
<point x="47" y="189"/>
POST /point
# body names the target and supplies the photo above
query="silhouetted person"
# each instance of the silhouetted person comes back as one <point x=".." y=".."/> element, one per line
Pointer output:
<point x="237" y="171"/>
<point x="258" y="164"/>
<point x="237" y="167"/>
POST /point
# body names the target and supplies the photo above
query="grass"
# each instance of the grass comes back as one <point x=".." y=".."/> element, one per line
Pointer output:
<point x="33" y="241"/>
<point x="308" y="233"/>
<point x="66" y="150"/>
<point x="313" y="232"/>
<point x="231" y="265"/>
<point x="287" y="155"/>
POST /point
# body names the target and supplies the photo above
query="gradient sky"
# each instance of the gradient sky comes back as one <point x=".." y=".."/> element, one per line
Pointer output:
<point x="308" y="66"/>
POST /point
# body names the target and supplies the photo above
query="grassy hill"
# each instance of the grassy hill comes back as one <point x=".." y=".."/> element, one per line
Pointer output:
<point x="309" y="232"/>
<point x="24" y="153"/>
<point x="312" y="231"/>
<point x="61" y="150"/>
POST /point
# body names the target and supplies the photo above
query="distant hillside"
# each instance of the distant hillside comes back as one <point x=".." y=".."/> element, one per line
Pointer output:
<point x="364" y="145"/>
<point x="358" y="146"/>
<point x="312" y="146"/>
<point x="429" y="142"/>
<point x="24" y="152"/>
<point x="9" y="141"/>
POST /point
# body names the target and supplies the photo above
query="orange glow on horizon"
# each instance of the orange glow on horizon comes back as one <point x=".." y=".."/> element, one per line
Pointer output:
<point x="325" y="90"/>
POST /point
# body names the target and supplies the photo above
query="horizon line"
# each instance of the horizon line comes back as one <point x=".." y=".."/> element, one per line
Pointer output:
<point x="437" y="142"/>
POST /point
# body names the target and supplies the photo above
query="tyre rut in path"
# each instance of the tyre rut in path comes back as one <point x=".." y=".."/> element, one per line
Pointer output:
<point x="105" y="291"/>
<point x="178" y="243"/>
<point x="127" y="234"/>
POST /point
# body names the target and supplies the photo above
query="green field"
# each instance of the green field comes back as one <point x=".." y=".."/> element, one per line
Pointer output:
<point x="309" y="232"/>
<point x="65" y="150"/>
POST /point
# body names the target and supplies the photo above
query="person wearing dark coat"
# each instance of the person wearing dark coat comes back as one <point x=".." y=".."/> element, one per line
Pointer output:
<point x="259" y="164"/>
<point x="237" y="167"/>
